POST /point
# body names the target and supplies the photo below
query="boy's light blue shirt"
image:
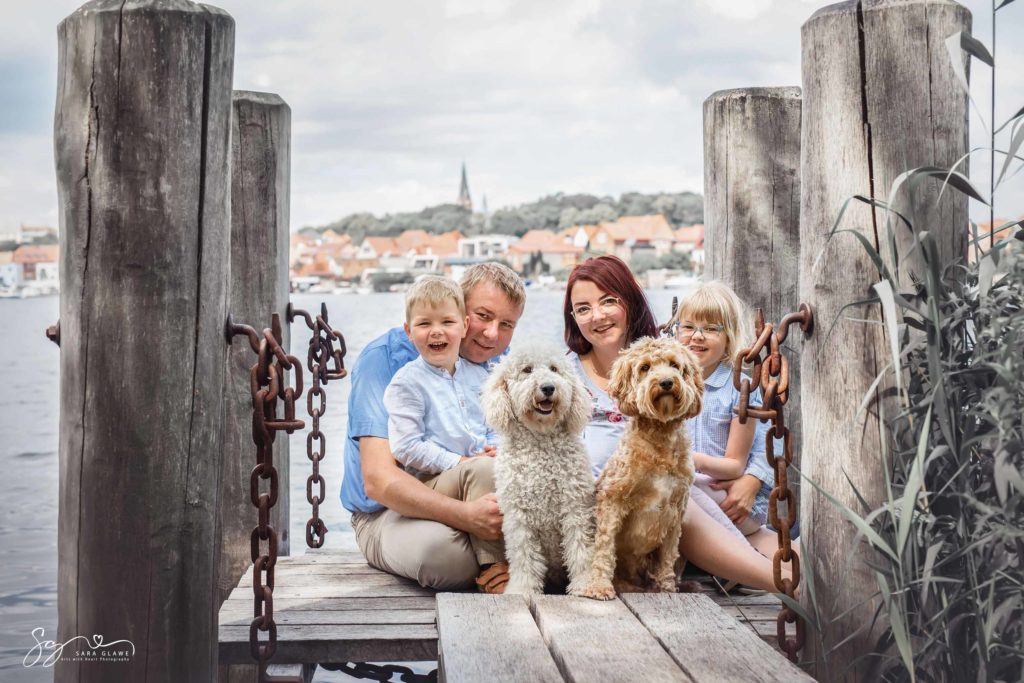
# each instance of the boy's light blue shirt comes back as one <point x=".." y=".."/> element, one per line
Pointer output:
<point x="376" y="365"/>
<point x="434" y="417"/>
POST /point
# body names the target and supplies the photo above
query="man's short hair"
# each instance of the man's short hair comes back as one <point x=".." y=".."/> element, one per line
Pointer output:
<point x="433" y="290"/>
<point x="500" y="275"/>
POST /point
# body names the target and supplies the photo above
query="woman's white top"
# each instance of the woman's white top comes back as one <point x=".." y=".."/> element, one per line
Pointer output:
<point x="607" y="425"/>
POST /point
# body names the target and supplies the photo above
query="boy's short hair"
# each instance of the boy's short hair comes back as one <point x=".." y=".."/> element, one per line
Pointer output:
<point x="717" y="303"/>
<point x="500" y="275"/>
<point x="433" y="290"/>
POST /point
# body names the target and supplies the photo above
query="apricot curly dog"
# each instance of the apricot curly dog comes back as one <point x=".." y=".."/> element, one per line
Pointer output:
<point x="643" y="490"/>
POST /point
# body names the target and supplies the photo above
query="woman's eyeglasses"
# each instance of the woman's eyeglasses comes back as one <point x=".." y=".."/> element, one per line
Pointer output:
<point x="687" y="330"/>
<point x="584" y="312"/>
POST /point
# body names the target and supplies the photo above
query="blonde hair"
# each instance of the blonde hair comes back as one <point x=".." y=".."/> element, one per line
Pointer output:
<point x="500" y="275"/>
<point x="716" y="303"/>
<point x="433" y="290"/>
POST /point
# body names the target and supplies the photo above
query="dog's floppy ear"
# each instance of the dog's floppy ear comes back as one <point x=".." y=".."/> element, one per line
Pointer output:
<point x="694" y="376"/>
<point x="620" y="385"/>
<point x="581" y="409"/>
<point x="495" y="399"/>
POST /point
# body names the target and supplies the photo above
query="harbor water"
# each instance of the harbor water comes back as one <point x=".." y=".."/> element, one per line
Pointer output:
<point x="29" y="412"/>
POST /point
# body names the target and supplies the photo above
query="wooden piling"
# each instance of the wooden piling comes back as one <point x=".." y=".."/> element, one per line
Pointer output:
<point x="260" y="179"/>
<point x="752" y="208"/>
<point x="879" y="98"/>
<point x="141" y="136"/>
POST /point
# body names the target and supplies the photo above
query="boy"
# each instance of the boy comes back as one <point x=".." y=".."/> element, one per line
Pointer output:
<point x="435" y="420"/>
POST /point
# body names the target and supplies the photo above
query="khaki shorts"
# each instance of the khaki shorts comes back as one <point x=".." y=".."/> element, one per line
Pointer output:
<point x="431" y="553"/>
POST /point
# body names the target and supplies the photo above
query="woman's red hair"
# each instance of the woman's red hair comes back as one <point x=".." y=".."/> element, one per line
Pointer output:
<point x="613" y="276"/>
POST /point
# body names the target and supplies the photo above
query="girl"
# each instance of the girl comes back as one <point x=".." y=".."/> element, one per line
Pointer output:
<point x="605" y="311"/>
<point x="712" y="323"/>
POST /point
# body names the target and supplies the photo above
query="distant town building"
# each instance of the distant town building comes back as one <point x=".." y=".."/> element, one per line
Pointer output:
<point x="542" y="251"/>
<point x="635" y="235"/>
<point x="10" y="272"/>
<point x="27" y="234"/>
<point x="484" y="247"/>
<point x="38" y="263"/>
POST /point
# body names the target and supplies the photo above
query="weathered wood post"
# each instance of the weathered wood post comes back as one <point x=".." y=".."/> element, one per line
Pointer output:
<point x="752" y="208"/>
<point x="879" y="98"/>
<point x="260" y="180"/>
<point x="141" y="135"/>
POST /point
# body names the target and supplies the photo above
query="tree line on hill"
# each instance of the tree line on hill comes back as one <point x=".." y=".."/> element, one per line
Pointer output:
<point x="553" y="212"/>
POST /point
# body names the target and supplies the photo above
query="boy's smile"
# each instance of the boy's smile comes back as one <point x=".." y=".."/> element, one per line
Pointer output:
<point x="436" y="332"/>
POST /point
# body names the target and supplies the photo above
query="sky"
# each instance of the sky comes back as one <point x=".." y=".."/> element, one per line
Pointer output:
<point x="389" y="98"/>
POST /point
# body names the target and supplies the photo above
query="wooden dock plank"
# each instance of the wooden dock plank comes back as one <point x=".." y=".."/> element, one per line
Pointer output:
<point x="323" y="617"/>
<point x="709" y="644"/>
<point x="490" y="638"/>
<point x="336" y="643"/>
<point x="340" y="590"/>
<point x="293" y="579"/>
<point x="243" y="602"/>
<point x="595" y="641"/>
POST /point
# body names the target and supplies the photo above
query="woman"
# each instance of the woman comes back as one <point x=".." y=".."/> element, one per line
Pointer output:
<point x="605" y="311"/>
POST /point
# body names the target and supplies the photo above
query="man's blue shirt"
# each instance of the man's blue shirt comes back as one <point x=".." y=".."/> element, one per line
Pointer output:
<point x="372" y="372"/>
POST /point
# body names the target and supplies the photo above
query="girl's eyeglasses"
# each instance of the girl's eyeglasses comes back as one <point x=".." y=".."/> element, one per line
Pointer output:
<point x="687" y="330"/>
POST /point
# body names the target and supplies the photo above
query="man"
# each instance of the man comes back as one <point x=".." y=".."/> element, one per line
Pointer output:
<point x="403" y="526"/>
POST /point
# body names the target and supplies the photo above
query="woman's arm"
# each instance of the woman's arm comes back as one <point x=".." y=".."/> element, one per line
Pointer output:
<point x="737" y="448"/>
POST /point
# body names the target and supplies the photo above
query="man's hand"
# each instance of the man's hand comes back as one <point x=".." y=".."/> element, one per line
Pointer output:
<point x="740" y="494"/>
<point x="482" y="518"/>
<point x="487" y="452"/>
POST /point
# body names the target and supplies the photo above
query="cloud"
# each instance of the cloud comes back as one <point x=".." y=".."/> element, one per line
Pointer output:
<point x="388" y="98"/>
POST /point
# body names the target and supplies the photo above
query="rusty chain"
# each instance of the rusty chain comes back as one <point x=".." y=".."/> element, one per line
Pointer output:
<point x="771" y="374"/>
<point x="319" y="358"/>
<point x="267" y="384"/>
<point x="383" y="673"/>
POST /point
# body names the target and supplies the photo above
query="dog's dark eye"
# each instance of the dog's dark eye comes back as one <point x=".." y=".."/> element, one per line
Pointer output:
<point x="528" y="369"/>
<point x="674" y="365"/>
<point x="645" y="367"/>
<point x="554" y="369"/>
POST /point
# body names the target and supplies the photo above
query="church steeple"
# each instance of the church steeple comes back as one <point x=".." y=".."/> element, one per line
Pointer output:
<point x="465" y="201"/>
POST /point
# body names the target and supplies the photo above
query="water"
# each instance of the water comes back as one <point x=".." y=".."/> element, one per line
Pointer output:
<point x="28" y="448"/>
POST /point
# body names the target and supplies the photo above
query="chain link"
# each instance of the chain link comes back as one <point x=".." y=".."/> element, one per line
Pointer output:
<point x="382" y="672"/>
<point x="771" y="375"/>
<point x="267" y="384"/>
<point x="319" y="358"/>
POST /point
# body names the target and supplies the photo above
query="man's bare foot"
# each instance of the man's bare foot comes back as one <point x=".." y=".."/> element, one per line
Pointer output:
<point x="493" y="578"/>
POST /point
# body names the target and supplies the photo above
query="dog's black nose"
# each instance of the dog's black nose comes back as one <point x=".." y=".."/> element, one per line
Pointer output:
<point x="666" y="384"/>
<point x="548" y="389"/>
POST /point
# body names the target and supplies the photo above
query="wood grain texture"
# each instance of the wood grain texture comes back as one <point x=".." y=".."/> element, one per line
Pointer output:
<point x="142" y="171"/>
<point x="875" y="103"/>
<point x="260" y="179"/>
<point x="752" y="207"/>
<point x="490" y="638"/>
<point x="594" y="641"/>
<point x="324" y="617"/>
<point x="708" y="644"/>
<point x="241" y="601"/>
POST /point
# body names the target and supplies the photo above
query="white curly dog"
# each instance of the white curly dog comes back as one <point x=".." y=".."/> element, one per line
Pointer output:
<point x="539" y="407"/>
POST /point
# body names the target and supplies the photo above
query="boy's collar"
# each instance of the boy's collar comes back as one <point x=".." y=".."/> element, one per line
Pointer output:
<point x="442" y="372"/>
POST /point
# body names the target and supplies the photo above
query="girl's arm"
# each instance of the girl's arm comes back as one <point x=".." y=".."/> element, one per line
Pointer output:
<point x="737" y="448"/>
